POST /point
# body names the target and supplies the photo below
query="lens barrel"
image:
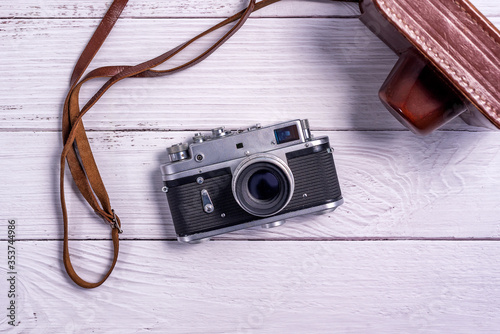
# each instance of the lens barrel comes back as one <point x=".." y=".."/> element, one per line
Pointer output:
<point x="263" y="185"/>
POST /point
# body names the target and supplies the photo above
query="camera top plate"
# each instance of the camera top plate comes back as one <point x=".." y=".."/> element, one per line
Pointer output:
<point x="222" y="146"/>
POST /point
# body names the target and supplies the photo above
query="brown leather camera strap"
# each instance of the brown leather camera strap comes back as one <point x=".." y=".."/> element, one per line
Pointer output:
<point x="77" y="151"/>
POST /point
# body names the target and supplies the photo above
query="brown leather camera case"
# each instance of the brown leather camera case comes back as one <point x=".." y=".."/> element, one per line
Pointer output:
<point x="449" y="60"/>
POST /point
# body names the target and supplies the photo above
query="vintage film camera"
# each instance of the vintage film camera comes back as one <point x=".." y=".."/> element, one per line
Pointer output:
<point x="260" y="176"/>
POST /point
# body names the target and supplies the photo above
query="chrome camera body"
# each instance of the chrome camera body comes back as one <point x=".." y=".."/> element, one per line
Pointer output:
<point x="229" y="181"/>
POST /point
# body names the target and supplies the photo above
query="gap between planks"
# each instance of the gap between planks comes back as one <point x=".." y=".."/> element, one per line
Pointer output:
<point x="321" y="239"/>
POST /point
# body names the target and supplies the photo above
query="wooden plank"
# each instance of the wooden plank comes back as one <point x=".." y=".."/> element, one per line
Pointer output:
<point x="326" y="80"/>
<point x="192" y="8"/>
<point x="172" y="9"/>
<point x="395" y="186"/>
<point x="296" y="68"/>
<point x="262" y="287"/>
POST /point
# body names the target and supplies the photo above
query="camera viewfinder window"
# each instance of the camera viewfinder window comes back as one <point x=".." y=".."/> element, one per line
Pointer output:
<point x="286" y="134"/>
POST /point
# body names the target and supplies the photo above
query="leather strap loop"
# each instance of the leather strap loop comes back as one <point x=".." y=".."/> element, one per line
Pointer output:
<point x="96" y="41"/>
<point x="77" y="151"/>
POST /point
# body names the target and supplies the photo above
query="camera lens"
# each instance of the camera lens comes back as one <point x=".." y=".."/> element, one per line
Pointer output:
<point x="263" y="185"/>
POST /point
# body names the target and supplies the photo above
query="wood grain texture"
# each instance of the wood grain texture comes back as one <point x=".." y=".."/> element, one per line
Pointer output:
<point x="320" y="70"/>
<point x="296" y="68"/>
<point x="263" y="287"/>
<point x="396" y="185"/>
<point x="192" y="8"/>
<point x="173" y="9"/>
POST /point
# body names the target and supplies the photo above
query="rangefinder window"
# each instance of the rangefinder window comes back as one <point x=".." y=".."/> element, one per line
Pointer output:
<point x="286" y="134"/>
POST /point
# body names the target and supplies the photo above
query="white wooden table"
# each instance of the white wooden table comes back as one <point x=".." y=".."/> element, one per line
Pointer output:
<point x="414" y="249"/>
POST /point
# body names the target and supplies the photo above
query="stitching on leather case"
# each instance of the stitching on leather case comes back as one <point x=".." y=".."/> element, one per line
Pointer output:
<point x="453" y="71"/>
<point x="476" y="22"/>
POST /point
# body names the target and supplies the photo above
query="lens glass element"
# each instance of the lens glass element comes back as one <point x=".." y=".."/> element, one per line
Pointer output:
<point x="264" y="185"/>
